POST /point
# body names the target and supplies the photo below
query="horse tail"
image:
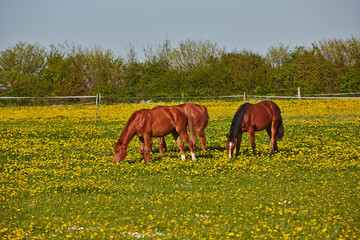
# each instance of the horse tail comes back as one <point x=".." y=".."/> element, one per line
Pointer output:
<point x="192" y="132"/>
<point x="280" y="130"/>
<point x="237" y="120"/>
<point x="205" y="117"/>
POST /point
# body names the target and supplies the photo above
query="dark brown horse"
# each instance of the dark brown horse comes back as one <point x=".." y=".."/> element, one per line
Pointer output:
<point x="200" y="117"/>
<point x="252" y="118"/>
<point x="158" y="122"/>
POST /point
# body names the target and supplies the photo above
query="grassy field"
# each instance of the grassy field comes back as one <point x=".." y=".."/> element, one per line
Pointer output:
<point x="57" y="179"/>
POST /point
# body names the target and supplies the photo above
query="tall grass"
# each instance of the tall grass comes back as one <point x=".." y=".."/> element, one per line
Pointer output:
<point x="57" y="179"/>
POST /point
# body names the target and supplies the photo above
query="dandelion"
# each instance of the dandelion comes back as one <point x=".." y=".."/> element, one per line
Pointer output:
<point x="57" y="178"/>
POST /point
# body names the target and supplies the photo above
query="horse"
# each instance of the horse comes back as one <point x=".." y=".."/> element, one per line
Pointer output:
<point x="252" y="118"/>
<point x="159" y="122"/>
<point x="200" y="117"/>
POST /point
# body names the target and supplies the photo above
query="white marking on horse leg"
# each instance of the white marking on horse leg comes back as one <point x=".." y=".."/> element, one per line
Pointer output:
<point x="193" y="156"/>
<point x="230" y="146"/>
<point x="182" y="157"/>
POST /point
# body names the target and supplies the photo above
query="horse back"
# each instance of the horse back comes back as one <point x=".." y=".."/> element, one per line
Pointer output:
<point x="163" y="120"/>
<point x="198" y="113"/>
<point x="273" y="108"/>
<point x="260" y="116"/>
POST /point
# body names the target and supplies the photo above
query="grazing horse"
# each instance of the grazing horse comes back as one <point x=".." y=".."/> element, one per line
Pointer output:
<point x="159" y="122"/>
<point x="252" y="118"/>
<point x="200" y="117"/>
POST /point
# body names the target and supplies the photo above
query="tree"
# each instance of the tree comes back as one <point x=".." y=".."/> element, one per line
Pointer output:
<point x="160" y="54"/>
<point x="351" y="81"/>
<point x="305" y="71"/>
<point x="102" y="71"/>
<point x="278" y="55"/>
<point x="342" y="61"/>
<point x="246" y="71"/>
<point x="191" y="54"/>
<point x="279" y="58"/>
<point x="155" y="80"/>
<point x="194" y="68"/>
<point x="65" y="69"/>
<point x="72" y="70"/>
<point x="20" y="70"/>
<point x="56" y="70"/>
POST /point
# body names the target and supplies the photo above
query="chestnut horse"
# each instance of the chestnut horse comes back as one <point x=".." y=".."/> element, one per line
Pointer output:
<point x="159" y="122"/>
<point x="200" y="117"/>
<point x="252" y="118"/>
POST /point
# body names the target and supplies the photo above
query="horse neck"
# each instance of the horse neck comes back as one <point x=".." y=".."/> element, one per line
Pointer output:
<point x="127" y="133"/>
<point x="237" y="120"/>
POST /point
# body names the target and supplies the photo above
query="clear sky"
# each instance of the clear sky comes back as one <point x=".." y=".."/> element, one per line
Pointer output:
<point x="235" y="24"/>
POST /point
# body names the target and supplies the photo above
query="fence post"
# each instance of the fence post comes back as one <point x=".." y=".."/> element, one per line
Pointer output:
<point x="96" y="106"/>
<point x="244" y="97"/>
<point x="299" y="93"/>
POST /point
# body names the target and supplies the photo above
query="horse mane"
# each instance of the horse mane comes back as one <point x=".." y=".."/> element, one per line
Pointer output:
<point x="126" y="127"/>
<point x="237" y="120"/>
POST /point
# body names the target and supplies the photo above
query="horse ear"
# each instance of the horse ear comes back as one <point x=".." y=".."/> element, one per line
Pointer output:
<point x="227" y="135"/>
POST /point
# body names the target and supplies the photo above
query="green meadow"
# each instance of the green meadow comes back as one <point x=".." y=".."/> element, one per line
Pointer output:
<point x="58" y="181"/>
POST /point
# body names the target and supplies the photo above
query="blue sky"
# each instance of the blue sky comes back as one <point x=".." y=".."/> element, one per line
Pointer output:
<point x="235" y="24"/>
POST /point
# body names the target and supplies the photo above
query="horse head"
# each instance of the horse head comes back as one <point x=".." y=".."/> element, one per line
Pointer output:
<point x="120" y="152"/>
<point x="230" y="145"/>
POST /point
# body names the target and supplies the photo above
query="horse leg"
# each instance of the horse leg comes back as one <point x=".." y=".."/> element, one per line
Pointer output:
<point x="202" y="139"/>
<point x="179" y="143"/>
<point x="252" y="139"/>
<point x="162" y="145"/>
<point x="238" y="143"/>
<point x="142" y="144"/>
<point x="160" y="140"/>
<point x="272" y="136"/>
<point x="185" y="136"/>
<point x="268" y="130"/>
<point x="148" y="145"/>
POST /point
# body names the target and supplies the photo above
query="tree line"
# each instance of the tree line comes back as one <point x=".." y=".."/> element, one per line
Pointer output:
<point x="193" y="68"/>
